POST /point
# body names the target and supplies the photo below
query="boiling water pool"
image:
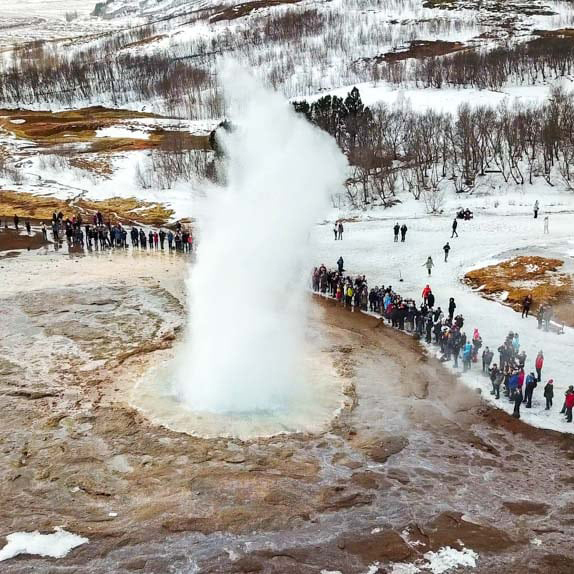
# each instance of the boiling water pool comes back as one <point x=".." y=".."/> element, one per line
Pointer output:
<point x="311" y="411"/>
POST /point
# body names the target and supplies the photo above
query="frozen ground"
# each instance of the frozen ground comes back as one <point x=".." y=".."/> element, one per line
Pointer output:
<point x="503" y="222"/>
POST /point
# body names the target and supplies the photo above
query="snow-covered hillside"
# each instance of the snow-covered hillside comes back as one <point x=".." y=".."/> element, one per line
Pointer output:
<point x="148" y="8"/>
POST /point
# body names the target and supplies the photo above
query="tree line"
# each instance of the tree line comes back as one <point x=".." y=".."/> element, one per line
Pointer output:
<point x="127" y="78"/>
<point x="392" y="149"/>
<point x="526" y="64"/>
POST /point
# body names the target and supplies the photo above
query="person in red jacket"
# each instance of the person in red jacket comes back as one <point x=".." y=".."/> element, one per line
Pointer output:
<point x="426" y="292"/>
<point x="569" y="403"/>
<point x="539" y="364"/>
<point x="521" y="379"/>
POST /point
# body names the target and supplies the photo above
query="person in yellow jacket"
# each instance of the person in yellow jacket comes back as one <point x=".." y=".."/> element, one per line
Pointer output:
<point x="349" y="292"/>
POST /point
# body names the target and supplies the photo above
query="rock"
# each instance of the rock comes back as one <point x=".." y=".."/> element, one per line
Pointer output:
<point x="449" y="529"/>
<point x="387" y="545"/>
<point x="380" y="449"/>
<point x="521" y="507"/>
<point x="247" y="564"/>
<point x="189" y="524"/>
<point x="234" y="458"/>
<point x="399" y="475"/>
<point x="370" y="479"/>
<point x="337" y="497"/>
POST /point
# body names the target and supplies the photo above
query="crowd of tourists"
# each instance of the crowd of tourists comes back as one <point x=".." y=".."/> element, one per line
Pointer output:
<point x="96" y="233"/>
<point x="445" y="329"/>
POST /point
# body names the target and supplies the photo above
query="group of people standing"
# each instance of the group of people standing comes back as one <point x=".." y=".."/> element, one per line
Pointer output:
<point x="444" y="328"/>
<point x="98" y="234"/>
<point x="402" y="229"/>
<point x="95" y="233"/>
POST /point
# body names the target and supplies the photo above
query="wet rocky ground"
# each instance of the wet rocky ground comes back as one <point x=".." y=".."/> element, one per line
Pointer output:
<point x="418" y="463"/>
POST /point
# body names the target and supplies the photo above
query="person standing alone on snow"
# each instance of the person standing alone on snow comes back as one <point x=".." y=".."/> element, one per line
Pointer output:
<point x="526" y="303"/>
<point x="429" y="264"/>
<point x="340" y="230"/>
<point x="454" y="226"/>
<point x="446" y="250"/>
<point x="396" y="230"/>
<point x="536" y="208"/>
<point x="403" y="232"/>
<point x="340" y="264"/>
<point x="546" y="224"/>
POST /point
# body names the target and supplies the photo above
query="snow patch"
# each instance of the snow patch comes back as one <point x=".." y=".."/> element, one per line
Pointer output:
<point x="121" y="132"/>
<point x="56" y="545"/>
<point x="439" y="562"/>
<point x="447" y="558"/>
<point x="401" y="568"/>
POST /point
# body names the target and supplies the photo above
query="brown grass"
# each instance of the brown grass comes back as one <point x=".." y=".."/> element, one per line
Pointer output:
<point x="546" y="284"/>
<point x="49" y="129"/>
<point x="100" y="166"/>
<point x="128" y="210"/>
<point x="561" y="33"/>
<point x="421" y="49"/>
<point x="245" y="8"/>
<point x="41" y="207"/>
<point x="26" y="205"/>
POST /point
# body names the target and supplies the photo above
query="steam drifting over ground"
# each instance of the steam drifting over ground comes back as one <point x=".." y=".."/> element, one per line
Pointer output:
<point x="247" y="290"/>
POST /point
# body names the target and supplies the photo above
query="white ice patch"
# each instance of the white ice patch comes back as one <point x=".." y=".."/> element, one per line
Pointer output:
<point x="447" y="558"/>
<point x="401" y="568"/>
<point x="439" y="562"/>
<point x="55" y="545"/>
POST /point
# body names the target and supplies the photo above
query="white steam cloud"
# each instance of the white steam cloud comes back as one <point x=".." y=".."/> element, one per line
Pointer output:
<point x="244" y="351"/>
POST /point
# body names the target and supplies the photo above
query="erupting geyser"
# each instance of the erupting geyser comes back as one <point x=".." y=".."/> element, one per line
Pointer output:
<point x="244" y="346"/>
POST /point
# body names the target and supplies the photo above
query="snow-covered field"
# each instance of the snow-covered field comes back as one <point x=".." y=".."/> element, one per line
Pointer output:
<point x="503" y="222"/>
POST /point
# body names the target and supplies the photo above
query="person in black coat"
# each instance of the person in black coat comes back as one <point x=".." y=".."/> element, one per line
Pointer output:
<point x="430" y="300"/>
<point x="454" y="226"/>
<point x="493" y="373"/>
<point x="396" y="230"/>
<point x="451" y="308"/>
<point x="530" y="385"/>
<point x="518" y="398"/>
<point x="429" y="325"/>
<point x="549" y="393"/>
<point x="455" y="345"/>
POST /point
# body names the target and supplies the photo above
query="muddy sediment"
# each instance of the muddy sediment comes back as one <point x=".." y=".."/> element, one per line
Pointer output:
<point x="417" y="462"/>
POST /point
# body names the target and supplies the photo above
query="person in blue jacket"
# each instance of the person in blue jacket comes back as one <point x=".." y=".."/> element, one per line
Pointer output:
<point x="513" y="385"/>
<point x="466" y="356"/>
